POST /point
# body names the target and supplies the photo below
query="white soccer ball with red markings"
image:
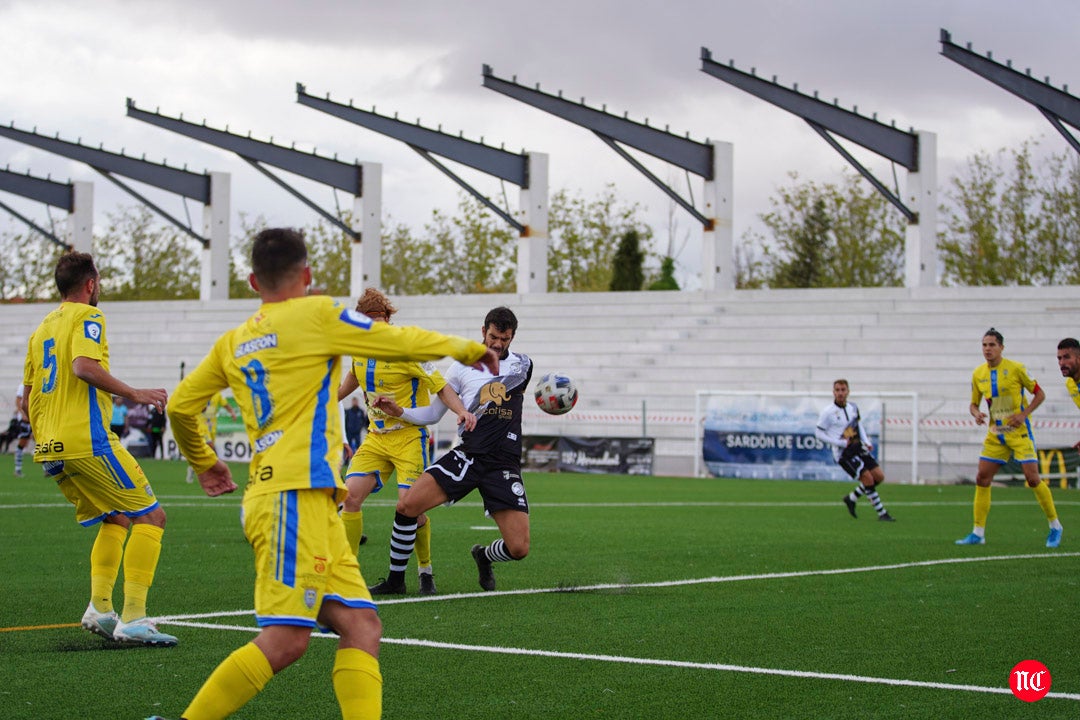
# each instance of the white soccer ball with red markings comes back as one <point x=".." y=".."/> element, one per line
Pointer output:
<point x="556" y="394"/>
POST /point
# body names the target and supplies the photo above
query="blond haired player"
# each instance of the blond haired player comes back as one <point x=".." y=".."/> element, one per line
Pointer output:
<point x="67" y="398"/>
<point x="1001" y="383"/>
<point x="393" y="444"/>
<point x="283" y="366"/>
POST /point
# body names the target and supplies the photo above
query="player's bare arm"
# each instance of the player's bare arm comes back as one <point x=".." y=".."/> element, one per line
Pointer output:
<point x="349" y="383"/>
<point x="92" y="373"/>
<point x="452" y="401"/>
<point x="980" y="417"/>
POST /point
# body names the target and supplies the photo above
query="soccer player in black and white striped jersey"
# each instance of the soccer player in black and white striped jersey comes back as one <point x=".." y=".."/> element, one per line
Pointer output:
<point x="839" y="426"/>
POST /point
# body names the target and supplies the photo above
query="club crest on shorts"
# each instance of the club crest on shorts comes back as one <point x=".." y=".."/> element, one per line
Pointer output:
<point x="310" y="595"/>
<point x="518" y="489"/>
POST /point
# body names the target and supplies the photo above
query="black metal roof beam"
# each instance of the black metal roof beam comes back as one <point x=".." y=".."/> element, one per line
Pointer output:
<point x="1057" y="105"/>
<point x="685" y="153"/>
<point x="912" y="216"/>
<point x="657" y="181"/>
<point x="324" y="170"/>
<point x="471" y="190"/>
<point x="176" y="180"/>
<point x="153" y="206"/>
<point x="334" y="220"/>
<point x="33" y="226"/>
<point x="50" y="192"/>
<point x="897" y="145"/>
<point x="509" y="166"/>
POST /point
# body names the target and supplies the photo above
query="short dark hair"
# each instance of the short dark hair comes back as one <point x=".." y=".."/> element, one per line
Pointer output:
<point x="1069" y="344"/>
<point x="72" y="270"/>
<point x="995" y="334"/>
<point x="276" y="254"/>
<point x="502" y="319"/>
<point x="841" y="381"/>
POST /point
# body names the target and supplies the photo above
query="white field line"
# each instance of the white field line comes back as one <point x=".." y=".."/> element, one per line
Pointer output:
<point x="192" y="621"/>
<point x="188" y="501"/>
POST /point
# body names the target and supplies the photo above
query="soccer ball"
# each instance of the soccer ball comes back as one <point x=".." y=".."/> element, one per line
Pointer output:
<point x="556" y="393"/>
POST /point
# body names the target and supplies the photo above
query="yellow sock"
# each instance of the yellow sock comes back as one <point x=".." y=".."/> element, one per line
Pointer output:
<point x="1046" y="500"/>
<point x="354" y="527"/>
<point x="238" y="678"/>
<point x="105" y="559"/>
<point x="357" y="684"/>
<point x="140" y="562"/>
<point x="423" y="544"/>
<point x="982" y="505"/>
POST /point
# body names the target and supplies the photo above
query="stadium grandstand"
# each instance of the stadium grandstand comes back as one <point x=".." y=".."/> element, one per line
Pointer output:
<point x="639" y="359"/>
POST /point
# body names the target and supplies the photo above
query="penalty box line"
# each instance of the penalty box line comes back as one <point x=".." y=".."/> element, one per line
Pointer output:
<point x="193" y="621"/>
<point x="180" y="619"/>
<point x="656" y="662"/>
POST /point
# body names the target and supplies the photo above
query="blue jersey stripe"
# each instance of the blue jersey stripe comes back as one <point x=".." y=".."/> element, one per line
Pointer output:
<point x="415" y="386"/>
<point x="99" y="434"/>
<point x="425" y="457"/>
<point x="370" y="385"/>
<point x="288" y="528"/>
<point x="322" y="475"/>
<point x="123" y="479"/>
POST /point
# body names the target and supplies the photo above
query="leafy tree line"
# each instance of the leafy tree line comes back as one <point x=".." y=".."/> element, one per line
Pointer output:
<point x="472" y="251"/>
<point x="1007" y="219"/>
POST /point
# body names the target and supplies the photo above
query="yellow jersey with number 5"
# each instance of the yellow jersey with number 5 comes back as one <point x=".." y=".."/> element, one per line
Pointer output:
<point x="284" y="366"/>
<point x="70" y="418"/>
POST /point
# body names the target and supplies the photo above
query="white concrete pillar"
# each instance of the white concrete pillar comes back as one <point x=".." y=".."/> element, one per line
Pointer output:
<point x="533" y="210"/>
<point x="214" y="270"/>
<point x="80" y="221"/>
<point x="365" y="261"/>
<point x="718" y="243"/>
<point x="920" y="239"/>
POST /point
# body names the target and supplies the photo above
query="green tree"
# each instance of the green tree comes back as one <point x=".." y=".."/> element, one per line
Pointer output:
<point x="825" y="235"/>
<point x="666" y="279"/>
<point x="27" y="261"/>
<point x="628" y="272"/>
<point x="584" y="237"/>
<point x="1012" y="220"/>
<point x="142" y="259"/>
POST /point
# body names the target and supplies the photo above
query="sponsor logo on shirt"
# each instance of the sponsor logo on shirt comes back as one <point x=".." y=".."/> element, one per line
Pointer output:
<point x="255" y="345"/>
<point x="267" y="440"/>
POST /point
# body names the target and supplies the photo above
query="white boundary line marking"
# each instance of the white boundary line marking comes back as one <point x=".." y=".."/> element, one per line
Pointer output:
<point x="190" y="621"/>
<point x="208" y="502"/>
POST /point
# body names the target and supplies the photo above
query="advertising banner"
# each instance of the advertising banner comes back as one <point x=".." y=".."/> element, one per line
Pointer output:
<point x="620" y="456"/>
<point x="769" y="436"/>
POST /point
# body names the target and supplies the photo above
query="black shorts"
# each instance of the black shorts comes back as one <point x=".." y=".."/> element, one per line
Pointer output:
<point x="23" y="430"/>
<point x="856" y="460"/>
<point x="499" y="482"/>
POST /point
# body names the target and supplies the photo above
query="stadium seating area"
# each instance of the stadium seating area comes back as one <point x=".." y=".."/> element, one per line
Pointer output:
<point x="639" y="358"/>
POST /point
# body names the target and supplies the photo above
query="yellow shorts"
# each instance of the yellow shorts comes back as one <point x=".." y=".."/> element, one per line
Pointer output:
<point x="105" y="485"/>
<point x="302" y="558"/>
<point x="405" y="450"/>
<point x="1017" y="444"/>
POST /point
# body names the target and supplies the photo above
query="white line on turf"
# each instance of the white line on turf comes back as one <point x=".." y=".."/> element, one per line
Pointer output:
<point x="193" y="621"/>
<point x="714" y="666"/>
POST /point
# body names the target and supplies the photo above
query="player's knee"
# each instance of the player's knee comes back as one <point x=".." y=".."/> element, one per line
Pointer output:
<point x="155" y="517"/>
<point x="518" y="547"/>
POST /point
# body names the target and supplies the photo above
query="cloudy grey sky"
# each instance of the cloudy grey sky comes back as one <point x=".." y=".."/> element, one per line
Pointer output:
<point x="67" y="67"/>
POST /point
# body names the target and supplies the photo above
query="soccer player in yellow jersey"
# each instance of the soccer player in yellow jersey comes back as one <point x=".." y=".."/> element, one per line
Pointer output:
<point x="1068" y="356"/>
<point x="67" y="396"/>
<point x="1002" y="382"/>
<point x="393" y="444"/>
<point x="283" y="366"/>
